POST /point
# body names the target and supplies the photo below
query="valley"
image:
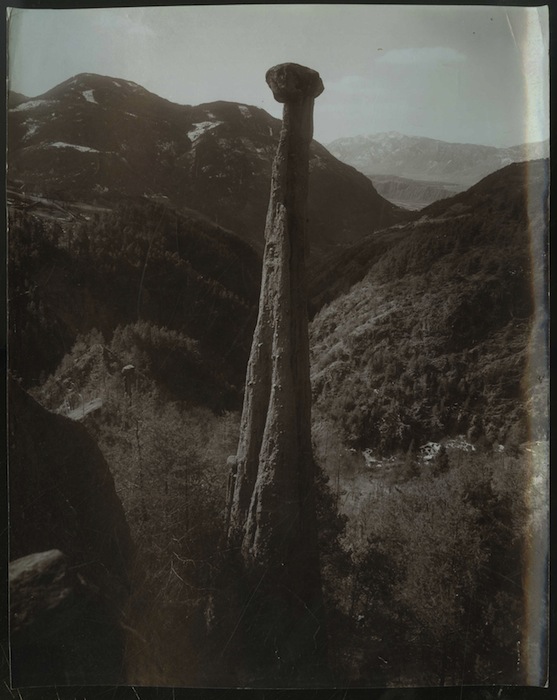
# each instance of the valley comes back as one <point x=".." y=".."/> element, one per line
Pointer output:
<point x="413" y="194"/>
<point x="413" y="171"/>
<point x="135" y="253"/>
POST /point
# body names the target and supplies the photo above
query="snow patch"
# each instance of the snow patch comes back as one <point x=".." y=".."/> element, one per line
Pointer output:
<point x="30" y="104"/>
<point x="89" y="96"/>
<point x="245" y="110"/>
<point x="129" y="84"/>
<point x="200" y="129"/>
<point x="62" y="144"/>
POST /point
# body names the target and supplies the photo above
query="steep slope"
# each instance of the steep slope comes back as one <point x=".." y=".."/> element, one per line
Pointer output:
<point x="421" y="158"/>
<point x="443" y="330"/>
<point x="193" y="284"/>
<point x="94" y="138"/>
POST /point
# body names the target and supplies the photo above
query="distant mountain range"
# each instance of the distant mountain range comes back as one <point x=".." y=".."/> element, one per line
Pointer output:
<point x="101" y="139"/>
<point x="394" y="162"/>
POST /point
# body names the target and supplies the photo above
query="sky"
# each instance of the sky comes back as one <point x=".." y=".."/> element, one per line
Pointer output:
<point x="464" y="74"/>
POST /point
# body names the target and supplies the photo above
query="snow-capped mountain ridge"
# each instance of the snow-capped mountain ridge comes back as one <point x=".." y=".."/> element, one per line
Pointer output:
<point x="97" y="137"/>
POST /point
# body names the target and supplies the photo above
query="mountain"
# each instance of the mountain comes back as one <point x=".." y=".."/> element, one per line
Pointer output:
<point x="99" y="139"/>
<point x="430" y="329"/>
<point x="452" y="165"/>
<point x="15" y="99"/>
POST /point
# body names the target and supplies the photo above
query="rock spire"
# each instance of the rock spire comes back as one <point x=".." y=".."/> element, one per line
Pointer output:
<point x="271" y="516"/>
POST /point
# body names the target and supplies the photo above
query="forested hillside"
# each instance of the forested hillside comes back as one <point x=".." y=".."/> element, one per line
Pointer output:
<point x="430" y="382"/>
<point x="186" y="286"/>
<point x="438" y="333"/>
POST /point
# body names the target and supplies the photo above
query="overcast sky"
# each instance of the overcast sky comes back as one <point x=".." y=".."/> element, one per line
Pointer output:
<point x="462" y="74"/>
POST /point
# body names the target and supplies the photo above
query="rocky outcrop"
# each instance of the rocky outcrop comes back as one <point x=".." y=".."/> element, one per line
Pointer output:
<point x="70" y="537"/>
<point x="271" y="497"/>
<point x="62" y="629"/>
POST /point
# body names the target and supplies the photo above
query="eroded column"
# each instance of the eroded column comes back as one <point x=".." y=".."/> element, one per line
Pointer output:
<point x="271" y="519"/>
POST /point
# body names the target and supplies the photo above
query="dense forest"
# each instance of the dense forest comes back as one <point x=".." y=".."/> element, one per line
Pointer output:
<point x="142" y="263"/>
<point x="442" y="331"/>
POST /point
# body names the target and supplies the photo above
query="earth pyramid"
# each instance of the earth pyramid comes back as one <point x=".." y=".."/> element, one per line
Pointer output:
<point x="271" y="517"/>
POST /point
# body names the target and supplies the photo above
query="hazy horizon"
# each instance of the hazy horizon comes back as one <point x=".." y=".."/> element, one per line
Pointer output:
<point x="473" y="74"/>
